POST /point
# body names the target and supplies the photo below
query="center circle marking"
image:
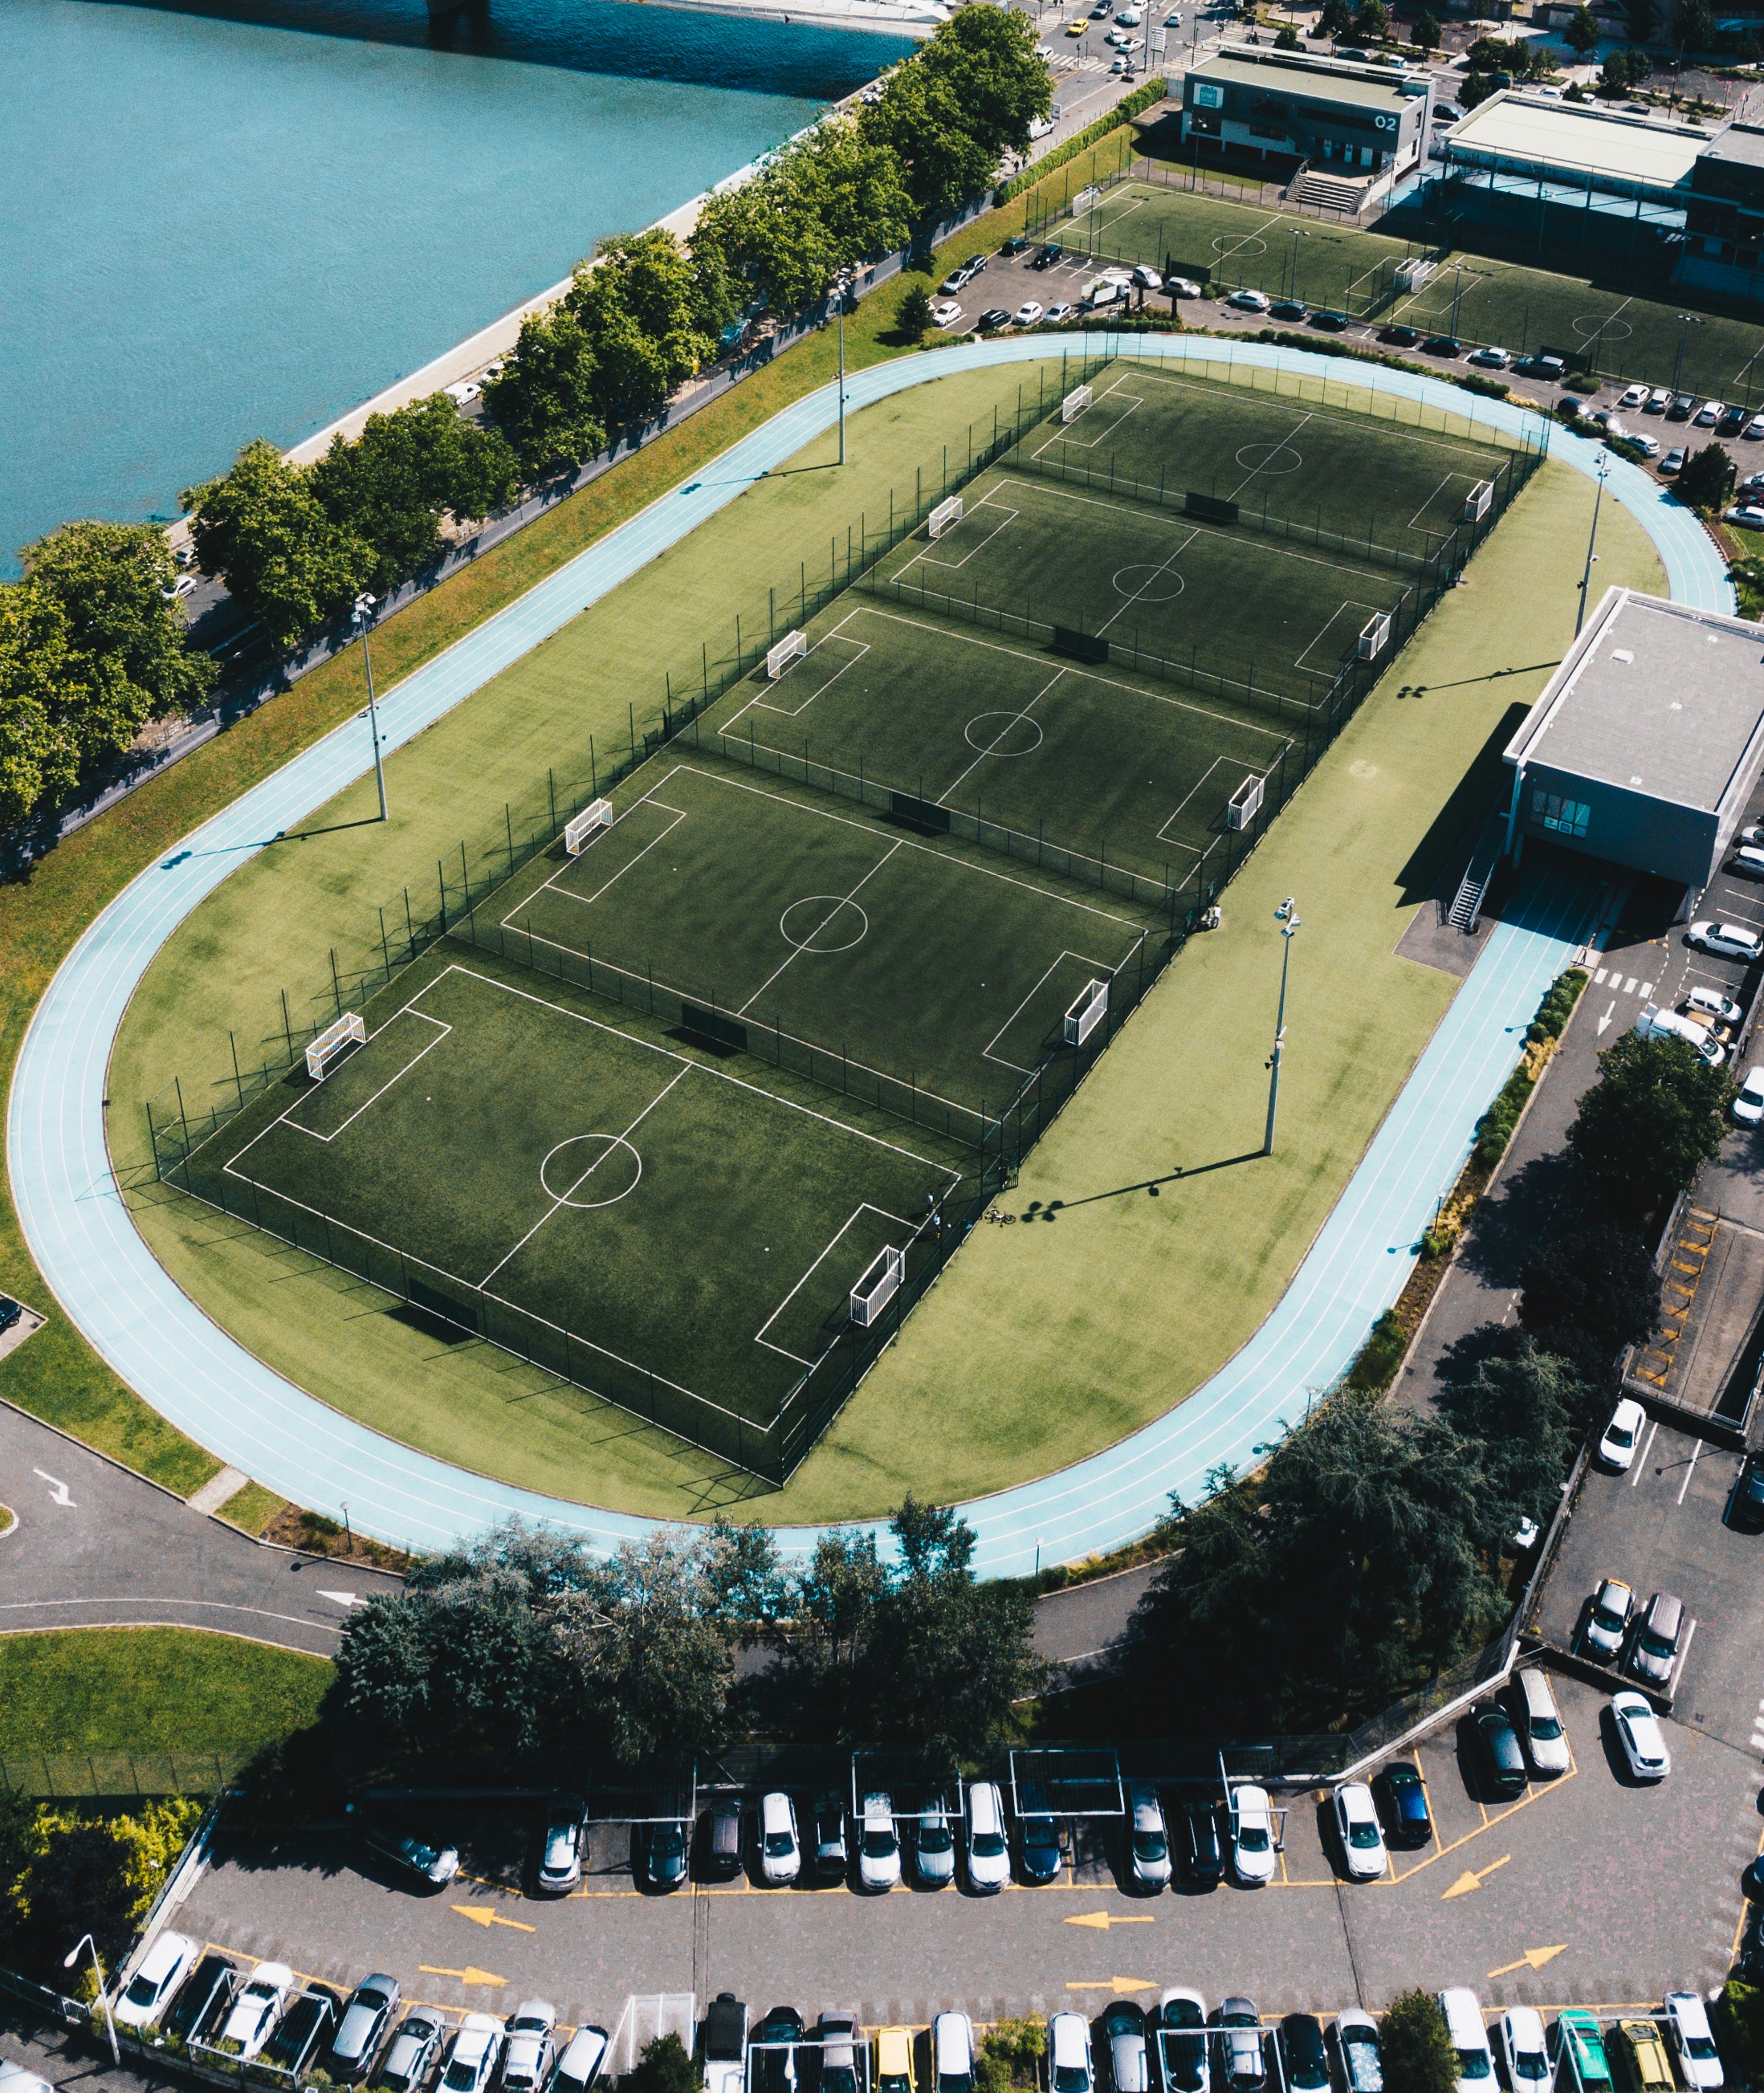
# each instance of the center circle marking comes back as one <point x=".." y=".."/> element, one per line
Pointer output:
<point x="1269" y="458"/>
<point x="1586" y="325"/>
<point x="1154" y="584"/>
<point x="591" y="1170"/>
<point x="839" y="926"/>
<point x="1248" y="243"/>
<point x="1014" y="728"/>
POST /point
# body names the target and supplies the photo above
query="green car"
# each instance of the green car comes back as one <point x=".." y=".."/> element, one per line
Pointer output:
<point x="1579" y="2048"/>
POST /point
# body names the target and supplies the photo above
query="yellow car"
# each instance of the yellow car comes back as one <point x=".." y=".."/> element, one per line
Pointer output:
<point x="1076" y="28"/>
<point x="1647" y="2069"/>
<point x="894" y="2060"/>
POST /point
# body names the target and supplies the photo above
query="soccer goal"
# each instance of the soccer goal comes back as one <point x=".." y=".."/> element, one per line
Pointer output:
<point x="1244" y="804"/>
<point x="1412" y="274"/>
<point x="347" y="1030"/>
<point x="878" y="1286"/>
<point x="1087" y="1013"/>
<point x="793" y="647"/>
<point x="1082" y="202"/>
<point x="945" y="513"/>
<point x="579" y="829"/>
<point x="1074" y="403"/>
<point x="1479" y="501"/>
<point x="1372" y="637"/>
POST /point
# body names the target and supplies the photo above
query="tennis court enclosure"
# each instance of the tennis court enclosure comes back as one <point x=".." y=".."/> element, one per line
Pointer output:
<point x="687" y="1084"/>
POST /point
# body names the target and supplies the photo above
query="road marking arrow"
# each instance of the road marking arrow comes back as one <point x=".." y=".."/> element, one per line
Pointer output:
<point x="468" y="1975"/>
<point x="1472" y="1879"/>
<point x="1533" y="1958"/>
<point x="1606" y="1018"/>
<point x="57" y="1490"/>
<point x="484" y="1914"/>
<point x="1102" y="1921"/>
<point x="343" y="1598"/>
<point x="1121" y="1986"/>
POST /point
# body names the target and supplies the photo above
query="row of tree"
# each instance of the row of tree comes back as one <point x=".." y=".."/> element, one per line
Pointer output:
<point x="526" y="1638"/>
<point x="64" y="1874"/>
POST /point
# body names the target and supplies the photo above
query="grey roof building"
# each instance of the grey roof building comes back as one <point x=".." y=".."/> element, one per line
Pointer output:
<point x="1648" y="742"/>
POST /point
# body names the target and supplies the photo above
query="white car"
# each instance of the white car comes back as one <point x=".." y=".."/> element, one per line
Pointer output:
<point x="952" y="2051"/>
<point x="1640" y="1735"/>
<point x="1356" y="1820"/>
<point x="1060" y="311"/>
<point x="878" y="1846"/>
<point x="1252" y="1836"/>
<point x="255" y="2010"/>
<point x="1649" y="446"/>
<point x="1658" y="400"/>
<point x="1608" y="1623"/>
<point x="781" y="1853"/>
<point x="1730" y="941"/>
<point x="1147" y="279"/>
<point x="1617" y="1448"/>
<point x="1182" y="286"/>
<point x="1637" y="396"/>
<point x="1068" y="2055"/>
<point x="1749" y="1105"/>
<point x="1520" y="2032"/>
<point x="579" y="2066"/>
<point x="1148" y="1842"/>
<point x="1470" y="2039"/>
<point x="1250" y="301"/>
<point x="463" y="393"/>
<point x="163" y="1969"/>
<point x="1027" y="313"/>
<point x="15" y="2079"/>
<point x="1709" y="413"/>
<point x="1490" y="358"/>
<point x="527" y="2059"/>
<point x="989" y="1851"/>
<point x="1540" y="1725"/>
<point x="1710" y="1001"/>
<point x="1747" y="514"/>
<point x="1750" y="857"/>
<point x="1687" y="2022"/>
<point x="1754" y="427"/>
<point x="945" y="312"/>
<point x="472" y="2062"/>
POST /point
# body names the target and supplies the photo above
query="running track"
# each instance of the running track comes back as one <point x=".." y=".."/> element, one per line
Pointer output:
<point x="157" y="1339"/>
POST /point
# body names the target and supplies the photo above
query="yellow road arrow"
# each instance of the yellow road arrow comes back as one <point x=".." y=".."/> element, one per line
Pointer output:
<point x="484" y="1914"/>
<point x="468" y="1975"/>
<point x="1472" y="1879"/>
<point x="1102" y="1921"/>
<point x="1121" y="1986"/>
<point x="1533" y="1958"/>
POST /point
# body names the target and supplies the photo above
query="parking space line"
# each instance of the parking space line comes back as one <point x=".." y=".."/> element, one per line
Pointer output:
<point x="1642" y="1460"/>
<point x="1697" y="1448"/>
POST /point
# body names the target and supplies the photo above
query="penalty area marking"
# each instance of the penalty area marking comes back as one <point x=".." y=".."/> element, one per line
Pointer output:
<point x="834" y="1241"/>
<point x="1357" y="614"/>
<point x="1007" y="517"/>
<point x="798" y="670"/>
<point x="441" y="1031"/>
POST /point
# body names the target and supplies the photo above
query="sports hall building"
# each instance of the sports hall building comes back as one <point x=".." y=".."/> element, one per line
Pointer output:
<point x="1366" y="125"/>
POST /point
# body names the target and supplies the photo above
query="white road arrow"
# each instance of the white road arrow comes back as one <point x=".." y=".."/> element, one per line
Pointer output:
<point x="57" y="1491"/>
<point x="343" y="1598"/>
<point x="1606" y="1018"/>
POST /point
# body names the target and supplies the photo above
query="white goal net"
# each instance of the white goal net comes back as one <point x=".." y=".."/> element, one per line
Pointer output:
<point x="1074" y="403"/>
<point x="347" y="1030"/>
<point x="1373" y="639"/>
<point x="878" y="1286"/>
<point x="1413" y="273"/>
<point x="579" y="831"/>
<point x="1244" y="804"/>
<point x="1479" y="501"/>
<point x="945" y="513"/>
<point x="1087" y="1013"/>
<point x="791" y="648"/>
<point x="1082" y="202"/>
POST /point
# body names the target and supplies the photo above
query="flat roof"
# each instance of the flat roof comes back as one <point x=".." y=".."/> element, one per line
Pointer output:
<point x="1567" y="137"/>
<point x="1311" y="82"/>
<point x="1740" y="142"/>
<point x="1656" y="698"/>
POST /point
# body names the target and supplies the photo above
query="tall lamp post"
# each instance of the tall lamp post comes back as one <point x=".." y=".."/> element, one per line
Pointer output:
<point x="110" y="2025"/>
<point x="1298" y="233"/>
<point x="1287" y="916"/>
<point x="1586" y="578"/>
<point x="841" y="284"/>
<point x="1687" y="322"/>
<point x="364" y="607"/>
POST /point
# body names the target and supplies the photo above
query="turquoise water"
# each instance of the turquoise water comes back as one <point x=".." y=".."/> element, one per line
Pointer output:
<point x="228" y="223"/>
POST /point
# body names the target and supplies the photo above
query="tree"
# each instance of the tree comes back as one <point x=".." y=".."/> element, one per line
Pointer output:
<point x="1417" y="2046"/>
<point x="987" y="55"/>
<point x="652" y="316"/>
<point x="1647" y="1125"/>
<point x="1286" y="38"/>
<point x="1581" y="34"/>
<point x="665" y="2066"/>
<point x="83" y="1875"/>
<point x="1336" y="20"/>
<point x="39" y="749"/>
<point x="544" y="401"/>
<point x="261" y="525"/>
<point x="1425" y="34"/>
<point x="1519" y="1411"/>
<point x="1707" y="480"/>
<point x="1587" y="1294"/>
<point x="1371" y="22"/>
<point x="1475" y="89"/>
<point x="1694" y="24"/>
<point x="920" y="118"/>
<point x="913" y="315"/>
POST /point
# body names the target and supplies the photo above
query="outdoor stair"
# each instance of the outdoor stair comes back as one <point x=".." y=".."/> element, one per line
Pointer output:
<point x="1465" y="913"/>
<point x="1343" y="192"/>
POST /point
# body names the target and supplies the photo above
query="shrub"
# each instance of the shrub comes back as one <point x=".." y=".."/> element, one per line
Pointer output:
<point x="1381" y="1355"/>
<point x="1419" y="2056"/>
<point x="1011" y="2056"/>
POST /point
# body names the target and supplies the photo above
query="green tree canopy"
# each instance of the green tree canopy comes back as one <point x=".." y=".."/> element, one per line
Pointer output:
<point x="1581" y="33"/>
<point x="1372" y="21"/>
<point x="1337" y="18"/>
<point x="1694" y="24"/>
<point x="920" y="119"/>
<point x="1589" y="1292"/>
<point x="40" y="697"/>
<point x="1707" y="480"/>
<point x="1642" y="18"/>
<point x="1418" y="2052"/>
<point x="665" y="2066"/>
<point x="1647" y="1125"/>
<point x="651" y="314"/>
<point x="1520" y="1411"/>
<point x="263" y="527"/>
<point x="545" y="401"/>
<point x="1425" y="33"/>
<point x="913" y="315"/>
<point x="987" y="54"/>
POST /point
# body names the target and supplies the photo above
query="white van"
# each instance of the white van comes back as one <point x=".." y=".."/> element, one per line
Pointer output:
<point x="989" y="1852"/>
<point x="1655" y="1023"/>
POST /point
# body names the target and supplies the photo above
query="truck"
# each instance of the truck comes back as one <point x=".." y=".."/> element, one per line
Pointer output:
<point x="725" y="2043"/>
<point x="1654" y="1023"/>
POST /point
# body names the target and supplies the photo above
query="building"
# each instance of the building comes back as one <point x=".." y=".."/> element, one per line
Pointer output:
<point x="1724" y="215"/>
<point x="1580" y="148"/>
<point x="1648" y="742"/>
<point x="1360" y="128"/>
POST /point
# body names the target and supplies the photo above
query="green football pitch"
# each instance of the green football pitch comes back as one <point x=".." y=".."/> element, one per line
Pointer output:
<point x="1343" y="475"/>
<point x="1118" y="772"/>
<point x="678" y="1221"/>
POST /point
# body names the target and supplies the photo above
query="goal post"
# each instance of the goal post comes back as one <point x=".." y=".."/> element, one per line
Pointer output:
<point x="1479" y="501"/>
<point x="878" y="1286"/>
<point x="944" y="515"/>
<point x="1074" y="403"/>
<point x="1373" y="636"/>
<point x="347" y="1030"/>
<point x="793" y="647"/>
<point x="579" y="829"/>
<point x="1414" y="272"/>
<point x="1244" y="804"/>
<point x="1087" y="1013"/>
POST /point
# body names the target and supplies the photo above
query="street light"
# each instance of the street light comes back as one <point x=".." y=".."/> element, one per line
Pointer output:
<point x="1689" y="320"/>
<point x="68" y="1961"/>
<point x="841" y="284"/>
<point x="1287" y="916"/>
<point x="1586" y="578"/>
<point x="1298" y="233"/>
<point x="364" y="605"/>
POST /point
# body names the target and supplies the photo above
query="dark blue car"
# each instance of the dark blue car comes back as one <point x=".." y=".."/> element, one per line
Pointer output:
<point x="1407" y="1820"/>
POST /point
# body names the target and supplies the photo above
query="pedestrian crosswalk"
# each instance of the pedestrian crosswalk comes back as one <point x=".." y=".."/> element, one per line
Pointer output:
<point x="1613" y="977"/>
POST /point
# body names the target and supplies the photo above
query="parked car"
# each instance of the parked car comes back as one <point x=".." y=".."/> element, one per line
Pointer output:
<point x="1657" y="400"/>
<point x="953" y="2055"/>
<point x="878" y="1845"/>
<point x="1640" y="1736"/>
<point x="1518" y="2034"/>
<point x="1243" y="2046"/>
<point x="839" y="2036"/>
<point x="163" y="1967"/>
<point x="1145" y="278"/>
<point x="989" y="1852"/>
<point x="1539" y="1720"/>
<point x="1617" y="1448"/>
<point x="436" y="1866"/>
<point x="1470" y="2039"/>
<point x="1754" y="428"/>
<point x="1179" y="2042"/>
<point x="1357" y="1827"/>
<point x="1654" y="1651"/>
<point x="945" y="313"/>
<point x="992" y="318"/>
<point x="1052" y="253"/>
<point x="1747" y="1510"/>
<point x="1060" y="311"/>
<point x="528" y="2053"/>
<point x="1649" y="446"/>
<point x="1203" y="1856"/>
<point x="15" y="2079"/>
<point x="1634" y="396"/>
<point x="1673" y="462"/>
<point x="773" y="2052"/>
<point x="1330" y="322"/>
<point x="1733" y="420"/>
<point x="1608" y="1621"/>
<point x="199" y="2003"/>
<point x="1124" y="2031"/>
<point x="1750" y="857"/>
<point x="1729" y="941"/>
<point x="663" y="1848"/>
<point x="1686" y="2024"/>
<point x="366" y="2020"/>
<point x="1302" y="2051"/>
<point x="1027" y="313"/>
<point x="583" y="2059"/>
<point x="933" y="1844"/>
<point x="1250" y="301"/>
<point x="471" y="2063"/>
<point x="1182" y="286"/>
<point x="1358" y="2057"/>
<point x="1288" y="309"/>
<point x="1551" y="368"/>
<point x="560" y="1843"/>
<point x="1253" y="1852"/>
<point x="1647" y="2068"/>
<point x="781" y="1855"/>
<point x="1503" y="1762"/>
<point x="830" y="1852"/>
<point x="1708" y="414"/>
<point x="10" y="1312"/>
<point x="1069" y="2068"/>
<point x="1578" y="2049"/>
<point x="1490" y="358"/>
<point x="306" y="2021"/>
<point x="1148" y="1839"/>
<point x="461" y="394"/>
<point x="1748" y="1101"/>
<point x="1400" y="337"/>
<point x="724" y="2044"/>
<point x="256" y="2008"/>
<point x="1038" y="1836"/>
<point x="411" y="2058"/>
<point x="1710" y="1001"/>
<point x="1681" y="407"/>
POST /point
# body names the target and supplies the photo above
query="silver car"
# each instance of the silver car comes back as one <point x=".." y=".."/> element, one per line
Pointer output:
<point x="1148" y="1836"/>
<point x="528" y="2054"/>
<point x="933" y="1845"/>
<point x="560" y="1844"/>
<point x="364" y="2021"/>
<point x="411" y="2058"/>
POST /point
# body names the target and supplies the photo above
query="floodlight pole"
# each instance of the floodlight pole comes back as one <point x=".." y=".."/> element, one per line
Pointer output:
<point x="364" y="605"/>
<point x="1298" y="233"/>
<point x="840" y="284"/>
<point x="1287" y="916"/>
<point x="1689" y="320"/>
<point x="1586" y="578"/>
<point x="110" y="2025"/>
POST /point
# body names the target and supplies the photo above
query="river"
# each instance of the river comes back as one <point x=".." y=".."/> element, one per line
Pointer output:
<point x="227" y="222"/>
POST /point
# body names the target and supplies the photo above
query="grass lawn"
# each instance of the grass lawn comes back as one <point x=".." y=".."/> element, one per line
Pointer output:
<point x="145" y="1692"/>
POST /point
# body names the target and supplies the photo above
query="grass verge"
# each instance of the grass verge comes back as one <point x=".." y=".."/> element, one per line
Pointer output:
<point x="252" y="1509"/>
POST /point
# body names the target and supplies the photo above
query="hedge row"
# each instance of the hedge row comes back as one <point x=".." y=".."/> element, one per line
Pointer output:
<point x="1129" y="106"/>
<point x="1494" y="1130"/>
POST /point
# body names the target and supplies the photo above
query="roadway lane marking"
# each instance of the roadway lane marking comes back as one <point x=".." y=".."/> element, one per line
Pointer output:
<point x="1472" y="1879"/>
<point x="1697" y="1448"/>
<point x="1533" y="1958"/>
<point x="1642" y="1460"/>
<point x="57" y="1490"/>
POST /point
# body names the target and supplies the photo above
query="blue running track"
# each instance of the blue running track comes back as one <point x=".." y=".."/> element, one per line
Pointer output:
<point x="110" y="1286"/>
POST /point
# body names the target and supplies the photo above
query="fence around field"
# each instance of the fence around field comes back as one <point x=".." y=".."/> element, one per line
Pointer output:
<point x="74" y="1776"/>
<point x="771" y="1448"/>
